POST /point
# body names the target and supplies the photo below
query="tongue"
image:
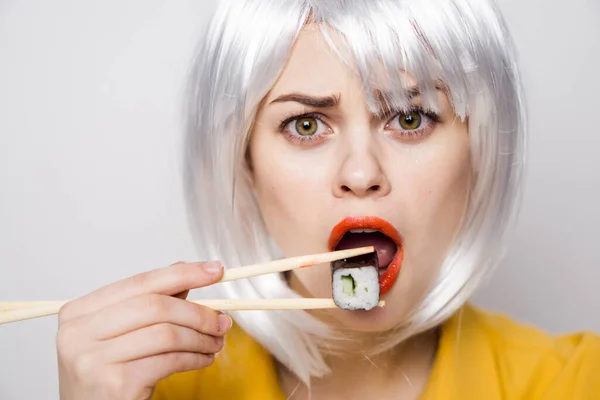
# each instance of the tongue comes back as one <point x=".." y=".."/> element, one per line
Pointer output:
<point x="384" y="246"/>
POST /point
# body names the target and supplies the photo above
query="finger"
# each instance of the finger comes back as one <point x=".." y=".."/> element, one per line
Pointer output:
<point x="148" y="371"/>
<point x="159" y="339"/>
<point x="151" y="309"/>
<point x="171" y="280"/>
<point x="183" y="295"/>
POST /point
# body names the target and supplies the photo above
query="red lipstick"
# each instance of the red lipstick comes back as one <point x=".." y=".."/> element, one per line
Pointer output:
<point x="378" y="224"/>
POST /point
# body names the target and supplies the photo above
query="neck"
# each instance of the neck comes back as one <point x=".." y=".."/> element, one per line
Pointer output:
<point x="400" y="373"/>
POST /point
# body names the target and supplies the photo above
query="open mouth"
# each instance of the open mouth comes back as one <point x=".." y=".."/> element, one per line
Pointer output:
<point x="355" y="232"/>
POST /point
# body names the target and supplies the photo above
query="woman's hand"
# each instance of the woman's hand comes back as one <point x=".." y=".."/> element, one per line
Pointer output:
<point x="119" y="341"/>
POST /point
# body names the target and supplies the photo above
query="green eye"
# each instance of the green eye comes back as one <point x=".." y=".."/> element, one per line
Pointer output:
<point x="410" y="121"/>
<point x="306" y="126"/>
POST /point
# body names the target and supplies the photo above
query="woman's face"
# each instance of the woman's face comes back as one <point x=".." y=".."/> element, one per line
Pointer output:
<point x="321" y="157"/>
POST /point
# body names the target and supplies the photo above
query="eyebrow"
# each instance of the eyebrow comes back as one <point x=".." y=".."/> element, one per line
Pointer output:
<point x="334" y="99"/>
<point x="308" y="100"/>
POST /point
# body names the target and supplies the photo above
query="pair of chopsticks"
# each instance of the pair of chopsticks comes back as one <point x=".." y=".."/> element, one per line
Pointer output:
<point x="20" y="311"/>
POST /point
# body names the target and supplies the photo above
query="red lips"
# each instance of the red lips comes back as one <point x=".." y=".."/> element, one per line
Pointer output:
<point x="391" y="274"/>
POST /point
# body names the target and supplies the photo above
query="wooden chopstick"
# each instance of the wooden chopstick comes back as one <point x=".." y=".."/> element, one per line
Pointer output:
<point x="20" y="311"/>
<point x="43" y="309"/>
<point x="288" y="264"/>
<point x="16" y="305"/>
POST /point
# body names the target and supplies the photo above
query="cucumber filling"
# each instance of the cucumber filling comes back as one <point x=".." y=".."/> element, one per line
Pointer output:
<point x="348" y="285"/>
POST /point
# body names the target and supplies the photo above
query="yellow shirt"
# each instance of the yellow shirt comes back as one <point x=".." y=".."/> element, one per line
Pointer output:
<point x="481" y="356"/>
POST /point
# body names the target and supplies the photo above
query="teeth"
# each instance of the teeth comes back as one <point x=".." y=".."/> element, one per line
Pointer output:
<point x="362" y="230"/>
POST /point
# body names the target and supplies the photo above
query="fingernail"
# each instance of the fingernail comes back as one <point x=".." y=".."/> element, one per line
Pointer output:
<point x="224" y="322"/>
<point x="212" y="267"/>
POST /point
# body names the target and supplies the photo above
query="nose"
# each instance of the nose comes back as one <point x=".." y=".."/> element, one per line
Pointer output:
<point x="361" y="174"/>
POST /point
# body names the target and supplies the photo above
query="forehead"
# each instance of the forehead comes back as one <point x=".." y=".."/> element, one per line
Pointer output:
<point x="312" y="67"/>
<point x="321" y="66"/>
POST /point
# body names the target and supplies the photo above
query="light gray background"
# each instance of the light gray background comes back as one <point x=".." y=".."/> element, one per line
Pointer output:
<point x="89" y="169"/>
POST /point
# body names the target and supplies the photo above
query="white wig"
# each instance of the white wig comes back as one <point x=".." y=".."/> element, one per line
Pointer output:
<point x="462" y="43"/>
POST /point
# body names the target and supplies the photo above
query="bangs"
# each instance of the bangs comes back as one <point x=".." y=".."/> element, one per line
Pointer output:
<point x="403" y="49"/>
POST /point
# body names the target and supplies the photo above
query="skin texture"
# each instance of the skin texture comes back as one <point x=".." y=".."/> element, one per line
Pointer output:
<point x="120" y="340"/>
<point x="359" y="167"/>
<point x="355" y="163"/>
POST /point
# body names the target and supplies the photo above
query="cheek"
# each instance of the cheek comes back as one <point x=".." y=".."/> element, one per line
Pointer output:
<point x="439" y="207"/>
<point x="290" y="189"/>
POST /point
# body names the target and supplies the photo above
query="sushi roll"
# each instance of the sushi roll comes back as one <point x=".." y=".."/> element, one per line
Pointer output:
<point x="355" y="282"/>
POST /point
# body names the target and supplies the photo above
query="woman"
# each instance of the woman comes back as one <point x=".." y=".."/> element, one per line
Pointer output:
<point x="320" y="125"/>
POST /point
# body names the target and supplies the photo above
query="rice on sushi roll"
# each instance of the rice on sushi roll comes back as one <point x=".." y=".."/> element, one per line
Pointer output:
<point x="355" y="282"/>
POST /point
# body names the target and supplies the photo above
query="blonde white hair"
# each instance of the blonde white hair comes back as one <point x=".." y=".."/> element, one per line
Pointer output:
<point x="462" y="43"/>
